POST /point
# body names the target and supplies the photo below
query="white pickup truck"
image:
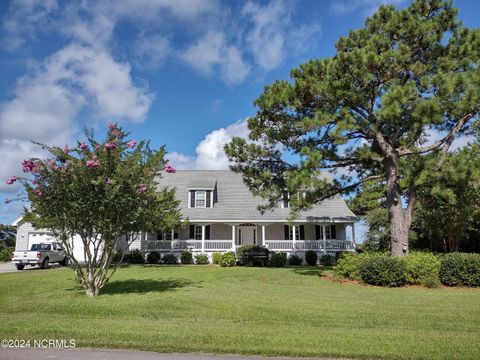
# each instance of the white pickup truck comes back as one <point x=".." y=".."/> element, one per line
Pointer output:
<point x="41" y="254"/>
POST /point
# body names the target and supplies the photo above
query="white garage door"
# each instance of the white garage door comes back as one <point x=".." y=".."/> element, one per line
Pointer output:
<point x="36" y="238"/>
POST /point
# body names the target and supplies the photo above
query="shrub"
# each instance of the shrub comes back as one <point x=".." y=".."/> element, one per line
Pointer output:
<point x="460" y="269"/>
<point x="431" y="282"/>
<point x="327" y="259"/>
<point x="170" y="259"/>
<point x="311" y="257"/>
<point x="349" y="264"/>
<point x="420" y="266"/>
<point x="384" y="271"/>
<point x="341" y="254"/>
<point x="186" y="257"/>
<point x="252" y="255"/>
<point x="295" y="260"/>
<point x="136" y="257"/>
<point x="278" y="259"/>
<point x="153" y="257"/>
<point x="216" y="257"/>
<point x="118" y="256"/>
<point x="228" y="259"/>
<point x="201" y="259"/>
<point x="6" y="254"/>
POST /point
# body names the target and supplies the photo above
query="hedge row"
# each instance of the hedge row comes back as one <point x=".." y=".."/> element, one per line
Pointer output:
<point x="418" y="268"/>
<point x="6" y="254"/>
<point x="154" y="257"/>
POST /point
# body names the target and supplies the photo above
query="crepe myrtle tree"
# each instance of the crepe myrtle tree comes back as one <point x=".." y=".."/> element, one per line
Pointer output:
<point x="367" y="110"/>
<point x="100" y="191"/>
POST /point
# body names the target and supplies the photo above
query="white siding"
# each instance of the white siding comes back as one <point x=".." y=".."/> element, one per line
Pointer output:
<point x="23" y="231"/>
<point x="341" y="232"/>
<point x="220" y="232"/>
<point x="274" y="232"/>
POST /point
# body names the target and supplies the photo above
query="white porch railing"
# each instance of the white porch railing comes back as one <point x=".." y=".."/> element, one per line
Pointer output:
<point x="317" y="245"/>
<point x="225" y="245"/>
<point x="168" y="245"/>
<point x="217" y="245"/>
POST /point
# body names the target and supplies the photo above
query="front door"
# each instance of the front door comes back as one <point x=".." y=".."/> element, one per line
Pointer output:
<point x="247" y="235"/>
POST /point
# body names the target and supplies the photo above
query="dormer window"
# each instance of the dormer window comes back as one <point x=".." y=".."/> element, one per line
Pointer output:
<point x="286" y="201"/>
<point x="200" y="198"/>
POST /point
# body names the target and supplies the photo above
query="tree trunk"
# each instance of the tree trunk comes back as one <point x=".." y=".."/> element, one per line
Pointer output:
<point x="90" y="284"/>
<point x="399" y="223"/>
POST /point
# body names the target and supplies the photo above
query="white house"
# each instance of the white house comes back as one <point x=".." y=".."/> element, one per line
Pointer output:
<point x="223" y="215"/>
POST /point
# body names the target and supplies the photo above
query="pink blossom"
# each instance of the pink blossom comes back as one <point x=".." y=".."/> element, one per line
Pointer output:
<point x="169" y="169"/>
<point x="11" y="180"/>
<point x="116" y="132"/>
<point x="92" y="163"/>
<point x="36" y="168"/>
<point x="83" y="146"/>
<point x="111" y="126"/>
<point x="109" y="181"/>
<point x="142" y="189"/>
<point x="110" y="146"/>
<point x="27" y="165"/>
<point x="38" y="191"/>
<point x="131" y="144"/>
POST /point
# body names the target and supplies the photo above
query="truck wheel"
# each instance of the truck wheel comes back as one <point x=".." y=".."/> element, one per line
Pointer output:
<point x="64" y="262"/>
<point x="45" y="263"/>
<point x="20" y="266"/>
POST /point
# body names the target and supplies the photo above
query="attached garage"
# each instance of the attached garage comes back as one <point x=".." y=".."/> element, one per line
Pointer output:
<point x="38" y="237"/>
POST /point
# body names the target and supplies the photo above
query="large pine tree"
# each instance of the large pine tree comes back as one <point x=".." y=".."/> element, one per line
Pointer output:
<point x="367" y="111"/>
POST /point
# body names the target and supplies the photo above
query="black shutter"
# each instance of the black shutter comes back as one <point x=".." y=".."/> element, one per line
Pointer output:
<point x="302" y="232"/>
<point x="175" y="234"/>
<point x="208" y="192"/>
<point x="160" y="236"/>
<point x="286" y="230"/>
<point x="317" y="232"/>
<point x="207" y="232"/>
<point x="333" y="231"/>
<point x="192" y="198"/>
<point x="192" y="231"/>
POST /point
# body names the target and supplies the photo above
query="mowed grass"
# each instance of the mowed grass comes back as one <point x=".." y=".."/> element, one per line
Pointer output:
<point x="289" y="311"/>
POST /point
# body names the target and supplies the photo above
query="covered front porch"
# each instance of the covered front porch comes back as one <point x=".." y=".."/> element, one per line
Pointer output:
<point x="223" y="236"/>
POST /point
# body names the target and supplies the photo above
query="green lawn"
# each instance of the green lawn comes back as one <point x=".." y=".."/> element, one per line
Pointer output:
<point x="288" y="311"/>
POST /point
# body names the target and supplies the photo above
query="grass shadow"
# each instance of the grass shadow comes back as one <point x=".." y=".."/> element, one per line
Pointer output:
<point x="310" y="271"/>
<point x="142" y="286"/>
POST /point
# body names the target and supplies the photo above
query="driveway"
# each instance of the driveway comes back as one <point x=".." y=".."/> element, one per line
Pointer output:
<point x="97" y="354"/>
<point x="6" y="267"/>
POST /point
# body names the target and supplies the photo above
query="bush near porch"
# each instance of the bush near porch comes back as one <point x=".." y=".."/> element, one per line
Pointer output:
<point x="243" y="310"/>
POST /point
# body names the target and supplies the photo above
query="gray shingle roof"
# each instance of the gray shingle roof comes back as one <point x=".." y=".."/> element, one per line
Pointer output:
<point x="235" y="202"/>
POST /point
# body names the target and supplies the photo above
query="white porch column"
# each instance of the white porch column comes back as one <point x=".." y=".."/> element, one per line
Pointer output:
<point x="294" y="236"/>
<point x="263" y="235"/>
<point x="233" y="237"/>
<point x="353" y="233"/>
<point x="203" y="238"/>
<point x="324" y="238"/>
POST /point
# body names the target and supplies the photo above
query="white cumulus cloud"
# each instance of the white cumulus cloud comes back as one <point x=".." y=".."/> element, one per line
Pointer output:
<point x="366" y="7"/>
<point x="209" y="152"/>
<point x="46" y="103"/>
<point x="211" y="52"/>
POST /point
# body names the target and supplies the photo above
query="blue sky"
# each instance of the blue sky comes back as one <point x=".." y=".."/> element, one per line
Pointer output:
<point x="182" y="73"/>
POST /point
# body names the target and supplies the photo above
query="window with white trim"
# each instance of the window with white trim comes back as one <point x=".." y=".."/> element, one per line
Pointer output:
<point x="328" y="232"/>
<point x="297" y="234"/>
<point x="286" y="200"/>
<point x="198" y="232"/>
<point x="200" y="199"/>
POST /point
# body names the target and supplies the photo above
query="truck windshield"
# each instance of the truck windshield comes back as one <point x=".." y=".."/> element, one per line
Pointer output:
<point x="41" y="247"/>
